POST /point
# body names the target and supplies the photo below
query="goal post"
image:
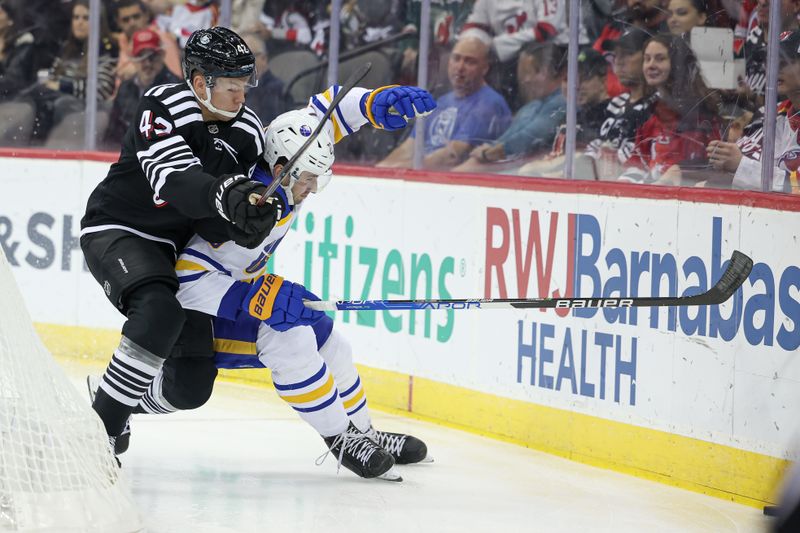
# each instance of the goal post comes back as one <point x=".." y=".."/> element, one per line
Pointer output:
<point x="57" y="470"/>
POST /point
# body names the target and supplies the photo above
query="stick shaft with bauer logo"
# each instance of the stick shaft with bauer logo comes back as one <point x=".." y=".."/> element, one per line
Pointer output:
<point x="737" y="272"/>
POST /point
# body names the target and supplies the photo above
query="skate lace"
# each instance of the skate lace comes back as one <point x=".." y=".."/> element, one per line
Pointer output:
<point x="353" y="441"/>
<point x="392" y="443"/>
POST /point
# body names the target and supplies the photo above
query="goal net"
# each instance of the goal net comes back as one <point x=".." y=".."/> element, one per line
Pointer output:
<point x="57" y="470"/>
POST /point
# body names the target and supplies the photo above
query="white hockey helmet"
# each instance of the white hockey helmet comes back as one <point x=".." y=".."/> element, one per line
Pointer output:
<point x="286" y="134"/>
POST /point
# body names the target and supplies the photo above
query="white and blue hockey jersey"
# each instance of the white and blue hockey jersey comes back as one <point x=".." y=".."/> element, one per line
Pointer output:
<point x="215" y="277"/>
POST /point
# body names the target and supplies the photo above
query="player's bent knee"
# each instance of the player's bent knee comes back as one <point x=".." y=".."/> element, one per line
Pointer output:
<point x="195" y="385"/>
<point x="155" y="318"/>
<point x="289" y="350"/>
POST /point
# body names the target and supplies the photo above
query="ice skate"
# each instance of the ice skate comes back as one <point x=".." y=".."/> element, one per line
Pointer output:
<point x="405" y="449"/>
<point x="123" y="440"/>
<point x="361" y="455"/>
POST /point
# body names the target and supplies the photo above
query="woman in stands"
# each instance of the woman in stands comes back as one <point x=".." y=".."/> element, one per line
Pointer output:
<point x="670" y="145"/>
<point x="685" y="15"/>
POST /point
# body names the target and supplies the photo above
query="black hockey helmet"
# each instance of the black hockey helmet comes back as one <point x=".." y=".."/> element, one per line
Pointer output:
<point x="217" y="53"/>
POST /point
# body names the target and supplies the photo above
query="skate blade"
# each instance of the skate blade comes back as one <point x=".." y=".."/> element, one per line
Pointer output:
<point x="390" y="475"/>
<point x="425" y="460"/>
<point x="92" y="384"/>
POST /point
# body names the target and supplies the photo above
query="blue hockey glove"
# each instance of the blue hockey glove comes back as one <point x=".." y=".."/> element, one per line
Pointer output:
<point x="279" y="303"/>
<point x="391" y="107"/>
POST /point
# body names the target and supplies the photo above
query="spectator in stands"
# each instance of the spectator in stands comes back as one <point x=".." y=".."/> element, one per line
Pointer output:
<point x="628" y="53"/>
<point x="68" y="73"/>
<point x="471" y="113"/>
<point x="541" y="68"/>
<point x="130" y="17"/>
<point x="48" y="21"/>
<point x="593" y="107"/>
<point x="63" y="93"/>
<point x="285" y="26"/>
<point x="159" y="16"/>
<point x="17" y="69"/>
<point x="191" y="16"/>
<point x="147" y="57"/>
<point x="595" y="14"/>
<point x="161" y="10"/>
<point x="510" y="24"/>
<point x="685" y="15"/>
<point x="605" y="156"/>
<point x="740" y="161"/>
<point x="447" y="19"/>
<point x="647" y="16"/>
<point x="670" y="145"/>
<point x="244" y="14"/>
<point x="267" y="100"/>
<point x="367" y="22"/>
<point x="754" y="50"/>
<point x="744" y="19"/>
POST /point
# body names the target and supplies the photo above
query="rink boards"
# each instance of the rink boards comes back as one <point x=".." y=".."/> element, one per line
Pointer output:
<point x="703" y="398"/>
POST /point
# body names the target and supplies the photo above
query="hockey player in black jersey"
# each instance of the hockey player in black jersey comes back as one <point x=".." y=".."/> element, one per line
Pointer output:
<point x="184" y="168"/>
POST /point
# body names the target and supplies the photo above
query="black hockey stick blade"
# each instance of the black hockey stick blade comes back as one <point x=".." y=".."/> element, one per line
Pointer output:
<point x="737" y="272"/>
<point x="351" y="82"/>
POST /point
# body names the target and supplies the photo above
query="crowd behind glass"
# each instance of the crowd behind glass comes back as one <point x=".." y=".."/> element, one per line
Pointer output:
<point x="668" y="92"/>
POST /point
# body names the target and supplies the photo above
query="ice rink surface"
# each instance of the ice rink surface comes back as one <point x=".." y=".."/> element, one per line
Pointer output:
<point x="245" y="463"/>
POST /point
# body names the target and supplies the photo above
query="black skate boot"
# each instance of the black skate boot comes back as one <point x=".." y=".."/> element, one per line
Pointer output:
<point x="123" y="440"/>
<point x="405" y="449"/>
<point x="361" y="455"/>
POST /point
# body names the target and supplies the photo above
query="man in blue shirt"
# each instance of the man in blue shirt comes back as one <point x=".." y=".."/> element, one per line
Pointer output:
<point x="468" y="115"/>
<point x="539" y="74"/>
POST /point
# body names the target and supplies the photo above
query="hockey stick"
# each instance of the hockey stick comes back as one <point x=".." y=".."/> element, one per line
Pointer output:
<point x="738" y="269"/>
<point x="351" y="82"/>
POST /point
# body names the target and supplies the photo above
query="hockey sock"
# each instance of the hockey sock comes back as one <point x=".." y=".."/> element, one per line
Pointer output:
<point x="337" y="353"/>
<point x="129" y="374"/>
<point x="153" y="401"/>
<point x="314" y="398"/>
<point x="354" y="400"/>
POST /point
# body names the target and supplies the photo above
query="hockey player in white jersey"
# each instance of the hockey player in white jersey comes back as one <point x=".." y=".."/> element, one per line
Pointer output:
<point x="312" y="366"/>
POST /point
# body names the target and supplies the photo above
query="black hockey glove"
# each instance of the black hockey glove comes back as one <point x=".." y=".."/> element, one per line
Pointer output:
<point x="231" y="197"/>
<point x="218" y="230"/>
<point x="248" y="240"/>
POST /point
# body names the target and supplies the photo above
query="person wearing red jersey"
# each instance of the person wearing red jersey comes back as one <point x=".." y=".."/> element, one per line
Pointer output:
<point x="684" y="116"/>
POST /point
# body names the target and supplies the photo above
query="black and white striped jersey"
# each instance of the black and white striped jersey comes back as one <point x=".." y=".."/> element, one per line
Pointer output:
<point x="610" y="134"/>
<point x="169" y="160"/>
<point x="618" y="131"/>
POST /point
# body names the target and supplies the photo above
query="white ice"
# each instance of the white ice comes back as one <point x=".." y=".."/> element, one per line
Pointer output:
<point x="245" y="463"/>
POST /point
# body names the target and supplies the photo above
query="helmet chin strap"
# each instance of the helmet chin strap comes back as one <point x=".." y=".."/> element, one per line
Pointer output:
<point x="288" y="188"/>
<point x="211" y="107"/>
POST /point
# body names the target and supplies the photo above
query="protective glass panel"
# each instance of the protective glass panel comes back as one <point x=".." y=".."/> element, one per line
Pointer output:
<point x="684" y="93"/>
<point x="669" y="92"/>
